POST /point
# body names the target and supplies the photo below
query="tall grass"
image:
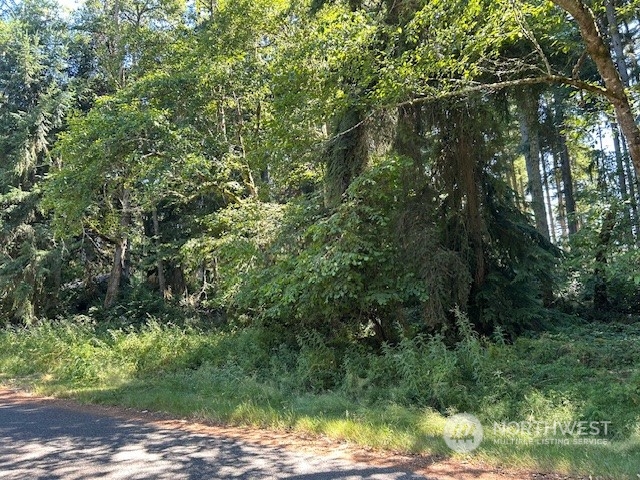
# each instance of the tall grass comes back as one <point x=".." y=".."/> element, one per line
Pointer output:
<point x="395" y="398"/>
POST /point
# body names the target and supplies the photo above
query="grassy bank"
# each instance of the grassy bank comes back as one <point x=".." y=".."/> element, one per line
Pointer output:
<point x="397" y="398"/>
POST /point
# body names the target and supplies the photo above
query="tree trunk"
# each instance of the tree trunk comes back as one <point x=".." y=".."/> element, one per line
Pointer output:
<point x="529" y="128"/>
<point x="601" y="163"/>
<point x="116" y="272"/>
<point x="473" y="213"/>
<point x="347" y="156"/>
<point x="567" y="183"/>
<point x="512" y="182"/>
<point x="119" y="268"/>
<point x="616" y="41"/>
<point x="562" y="211"/>
<point x="547" y="194"/>
<point x="601" y="56"/>
<point x="622" y="180"/>
<point x="247" y="174"/>
<point x="600" y="294"/>
<point x="565" y="164"/>
<point x="633" y="199"/>
<point x="632" y="58"/>
<point x="407" y="141"/>
<point x="468" y="176"/>
<point x="162" y="284"/>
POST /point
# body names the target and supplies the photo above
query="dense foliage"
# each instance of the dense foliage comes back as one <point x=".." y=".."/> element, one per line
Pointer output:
<point x="360" y="169"/>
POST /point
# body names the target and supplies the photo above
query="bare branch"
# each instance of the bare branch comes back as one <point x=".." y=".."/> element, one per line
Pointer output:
<point x="493" y="87"/>
<point x="528" y="33"/>
<point x="575" y="71"/>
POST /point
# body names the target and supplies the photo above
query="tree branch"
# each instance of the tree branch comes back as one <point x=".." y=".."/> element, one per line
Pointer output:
<point x="493" y="87"/>
<point x="90" y="232"/>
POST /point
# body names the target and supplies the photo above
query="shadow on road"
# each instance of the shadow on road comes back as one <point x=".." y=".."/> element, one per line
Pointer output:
<point x="40" y="441"/>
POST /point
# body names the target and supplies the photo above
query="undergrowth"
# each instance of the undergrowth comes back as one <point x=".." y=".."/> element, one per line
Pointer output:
<point x="396" y="398"/>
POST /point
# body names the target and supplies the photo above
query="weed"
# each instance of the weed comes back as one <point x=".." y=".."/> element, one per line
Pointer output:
<point x="394" y="398"/>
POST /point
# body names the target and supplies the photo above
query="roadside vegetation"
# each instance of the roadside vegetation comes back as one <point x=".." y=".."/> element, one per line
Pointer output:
<point x="397" y="398"/>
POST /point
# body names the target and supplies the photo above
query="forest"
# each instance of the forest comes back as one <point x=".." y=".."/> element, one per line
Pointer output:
<point x="380" y="206"/>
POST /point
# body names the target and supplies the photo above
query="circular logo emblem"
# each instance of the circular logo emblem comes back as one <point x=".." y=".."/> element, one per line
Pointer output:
<point x="463" y="433"/>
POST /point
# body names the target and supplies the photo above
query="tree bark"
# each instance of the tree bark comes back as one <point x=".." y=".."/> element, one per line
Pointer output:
<point x="513" y="183"/>
<point x="476" y="224"/>
<point x="562" y="211"/>
<point x="622" y="180"/>
<point x="469" y="166"/>
<point x="115" y="277"/>
<point x="162" y="284"/>
<point x="600" y="293"/>
<point x="247" y="174"/>
<point x="565" y="165"/>
<point x="120" y="254"/>
<point x="633" y="199"/>
<point x="616" y="41"/>
<point x="601" y="56"/>
<point x="529" y="128"/>
<point x="347" y="156"/>
<point x="547" y="194"/>
<point x="567" y="183"/>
